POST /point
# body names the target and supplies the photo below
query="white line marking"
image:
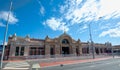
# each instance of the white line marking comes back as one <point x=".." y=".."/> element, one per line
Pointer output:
<point x="91" y="66"/>
<point x="15" y="68"/>
<point x="36" y="66"/>
<point x="108" y="63"/>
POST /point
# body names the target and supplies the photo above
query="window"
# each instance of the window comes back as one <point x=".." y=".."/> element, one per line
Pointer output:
<point x="40" y="51"/>
<point x="22" y="51"/>
<point x="36" y="51"/>
<point x="17" y="51"/>
<point x="33" y="51"/>
<point x="65" y="41"/>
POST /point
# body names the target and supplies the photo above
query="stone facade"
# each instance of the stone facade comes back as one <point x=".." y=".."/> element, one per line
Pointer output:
<point x="62" y="46"/>
<point x="116" y="49"/>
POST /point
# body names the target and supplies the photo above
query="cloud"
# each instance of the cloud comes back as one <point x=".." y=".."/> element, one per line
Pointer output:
<point x="111" y="32"/>
<point x="4" y="16"/>
<point x="77" y="11"/>
<point x="2" y="25"/>
<point x="56" y="24"/>
<point x="1" y="42"/>
<point x="106" y="26"/>
<point x="93" y="9"/>
<point x="42" y="9"/>
<point x="114" y="32"/>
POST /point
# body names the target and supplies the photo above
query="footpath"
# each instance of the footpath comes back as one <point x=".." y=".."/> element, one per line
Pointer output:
<point x="34" y="63"/>
<point x="49" y="64"/>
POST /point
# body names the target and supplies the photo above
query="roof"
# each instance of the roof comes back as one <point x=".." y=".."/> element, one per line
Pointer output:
<point x="65" y="34"/>
<point x="33" y="39"/>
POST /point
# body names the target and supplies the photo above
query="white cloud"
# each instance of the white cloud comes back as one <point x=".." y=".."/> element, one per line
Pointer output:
<point x="2" y="25"/>
<point x="42" y="10"/>
<point x="105" y="26"/>
<point x="1" y="42"/>
<point x="4" y="16"/>
<point x="85" y="26"/>
<point x="111" y="32"/>
<point x="91" y="10"/>
<point x="109" y="8"/>
<point x="56" y="24"/>
<point x="118" y="24"/>
<point x="5" y="43"/>
<point x="77" y="11"/>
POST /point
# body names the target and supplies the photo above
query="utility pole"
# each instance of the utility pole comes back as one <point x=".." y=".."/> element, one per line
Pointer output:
<point x="91" y="42"/>
<point x="5" y="35"/>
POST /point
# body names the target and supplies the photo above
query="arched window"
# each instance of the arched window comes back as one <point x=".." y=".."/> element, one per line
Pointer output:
<point x="65" y="41"/>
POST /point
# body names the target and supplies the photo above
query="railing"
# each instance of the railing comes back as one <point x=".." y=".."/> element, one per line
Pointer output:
<point x="35" y="57"/>
<point x="57" y="56"/>
<point x="66" y="58"/>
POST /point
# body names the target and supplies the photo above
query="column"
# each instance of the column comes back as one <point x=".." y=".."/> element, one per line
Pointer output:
<point x="12" y="51"/>
<point x="74" y="50"/>
<point x="102" y="50"/>
<point x="57" y="50"/>
<point x="90" y="48"/>
<point x="71" y="50"/>
<point x="80" y="50"/>
<point x="99" y="50"/>
<point x="47" y="51"/>
<point x="26" y="51"/>
<point x="19" y="50"/>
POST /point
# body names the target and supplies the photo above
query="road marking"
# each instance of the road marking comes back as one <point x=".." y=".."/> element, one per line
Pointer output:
<point x="16" y="68"/>
<point x="92" y="66"/>
<point x="36" y="66"/>
<point x="108" y="63"/>
<point x="17" y="65"/>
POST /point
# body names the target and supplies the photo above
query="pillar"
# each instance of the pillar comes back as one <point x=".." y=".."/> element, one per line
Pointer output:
<point x="47" y="51"/>
<point x="57" y="50"/>
<point x="26" y="51"/>
<point x="19" y="50"/>
<point x="74" y="50"/>
<point x="12" y="52"/>
<point x="99" y="50"/>
<point x="103" y="50"/>
<point x="80" y="50"/>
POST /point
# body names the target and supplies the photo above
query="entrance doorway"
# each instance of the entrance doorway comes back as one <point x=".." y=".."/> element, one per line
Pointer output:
<point x="52" y="52"/>
<point x="65" y="51"/>
<point x="96" y="50"/>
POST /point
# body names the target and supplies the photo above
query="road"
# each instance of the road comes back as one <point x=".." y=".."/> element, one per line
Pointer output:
<point x="110" y="64"/>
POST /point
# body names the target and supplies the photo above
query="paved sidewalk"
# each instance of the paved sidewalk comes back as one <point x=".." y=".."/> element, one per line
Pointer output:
<point x="49" y="64"/>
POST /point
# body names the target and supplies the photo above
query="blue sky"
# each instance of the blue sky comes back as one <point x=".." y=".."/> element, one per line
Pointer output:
<point x="39" y="18"/>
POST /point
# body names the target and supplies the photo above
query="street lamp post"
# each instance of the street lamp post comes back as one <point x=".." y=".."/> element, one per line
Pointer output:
<point x="6" y="30"/>
<point x="91" y="42"/>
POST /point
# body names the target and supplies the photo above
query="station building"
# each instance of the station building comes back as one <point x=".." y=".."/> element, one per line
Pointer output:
<point x="62" y="46"/>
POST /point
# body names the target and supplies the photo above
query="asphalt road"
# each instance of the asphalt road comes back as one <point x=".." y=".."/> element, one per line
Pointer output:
<point x="110" y="64"/>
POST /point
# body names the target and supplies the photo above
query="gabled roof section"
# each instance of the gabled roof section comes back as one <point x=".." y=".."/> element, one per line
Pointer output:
<point x="64" y="35"/>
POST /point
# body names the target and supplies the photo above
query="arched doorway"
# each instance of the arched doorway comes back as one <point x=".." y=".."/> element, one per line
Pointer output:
<point x="96" y="50"/>
<point x="52" y="52"/>
<point x="65" y="50"/>
<point x="77" y="51"/>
